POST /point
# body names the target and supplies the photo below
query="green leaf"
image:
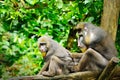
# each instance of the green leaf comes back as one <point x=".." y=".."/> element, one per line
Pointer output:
<point x="90" y="19"/>
<point x="32" y="2"/>
<point x="87" y="1"/>
<point x="59" y="4"/>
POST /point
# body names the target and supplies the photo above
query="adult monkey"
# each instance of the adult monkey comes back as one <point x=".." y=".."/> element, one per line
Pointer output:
<point x="97" y="45"/>
<point x="56" y="57"/>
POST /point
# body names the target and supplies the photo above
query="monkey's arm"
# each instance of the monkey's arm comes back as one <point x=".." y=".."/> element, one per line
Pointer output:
<point x="44" y="67"/>
<point x="49" y="54"/>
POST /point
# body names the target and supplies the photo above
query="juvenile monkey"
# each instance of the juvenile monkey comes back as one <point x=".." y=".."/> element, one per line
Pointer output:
<point x="56" y="57"/>
<point x="98" y="47"/>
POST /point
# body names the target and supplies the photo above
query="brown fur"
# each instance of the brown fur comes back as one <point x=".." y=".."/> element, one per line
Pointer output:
<point x="57" y="56"/>
<point x="100" y="47"/>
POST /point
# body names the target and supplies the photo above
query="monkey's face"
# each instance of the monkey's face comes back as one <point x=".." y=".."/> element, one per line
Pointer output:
<point x="82" y="31"/>
<point x="43" y="49"/>
<point x="43" y="45"/>
<point x="81" y="45"/>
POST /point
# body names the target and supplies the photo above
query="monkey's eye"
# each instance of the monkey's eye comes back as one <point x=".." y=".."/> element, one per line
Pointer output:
<point x="79" y="30"/>
<point x="42" y="43"/>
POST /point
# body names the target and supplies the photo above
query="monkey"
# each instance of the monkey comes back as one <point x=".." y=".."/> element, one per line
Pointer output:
<point x="57" y="58"/>
<point x="75" y="59"/>
<point x="98" y="47"/>
<point x="80" y="43"/>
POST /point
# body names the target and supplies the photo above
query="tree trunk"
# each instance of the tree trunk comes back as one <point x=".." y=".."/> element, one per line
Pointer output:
<point x="71" y="38"/>
<point x="109" y="21"/>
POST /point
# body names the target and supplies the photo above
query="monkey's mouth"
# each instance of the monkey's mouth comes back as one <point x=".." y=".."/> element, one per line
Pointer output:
<point x="80" y="43"/>
<point x="42" y="51"/>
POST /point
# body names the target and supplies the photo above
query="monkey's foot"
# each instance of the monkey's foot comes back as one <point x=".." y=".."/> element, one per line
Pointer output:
<point x="46" y="73"/>
<point x="75" y="68"/>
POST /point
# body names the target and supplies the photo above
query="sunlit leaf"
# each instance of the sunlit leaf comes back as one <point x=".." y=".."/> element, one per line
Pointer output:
<point x="32" y="2"/>
<point x="90" y="19"/>
<point x="87" y="1"/>
<point x="59" y="3"/>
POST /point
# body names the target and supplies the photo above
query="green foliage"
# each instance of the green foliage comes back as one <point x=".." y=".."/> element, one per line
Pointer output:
<point x="118" y="40"/>
<point x="29" y="64"/>
<point x="20" y="53"/>
<point x="23" y="21"/>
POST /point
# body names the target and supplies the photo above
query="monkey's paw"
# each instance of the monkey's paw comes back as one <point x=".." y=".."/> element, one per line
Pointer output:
<point x="75" y="68"/>
<point x="46" y="73"/>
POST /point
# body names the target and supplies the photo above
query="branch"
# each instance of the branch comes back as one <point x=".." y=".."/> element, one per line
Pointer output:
<point x="71" y="38"/>
<point x="73" y="76"/>
<point x="111" y="71"/>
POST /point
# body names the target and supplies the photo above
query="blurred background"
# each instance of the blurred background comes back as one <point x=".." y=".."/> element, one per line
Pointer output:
<point x="22" y="22"/>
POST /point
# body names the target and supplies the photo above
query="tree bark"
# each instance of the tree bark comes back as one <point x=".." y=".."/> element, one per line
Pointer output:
<point x="109" y="69"/>
<point x="109" y="21"/>
<point x="71" y="37"/>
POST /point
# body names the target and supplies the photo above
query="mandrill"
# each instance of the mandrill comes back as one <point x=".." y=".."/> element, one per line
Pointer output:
<point x="57" y="58"/>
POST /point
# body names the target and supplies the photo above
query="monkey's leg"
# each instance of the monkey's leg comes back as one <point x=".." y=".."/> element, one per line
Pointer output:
<point x="76" y="55"/>
<point x="54" y="67"/>
<point x="44" y="68"/>
<point x="75" y="60"/>
<point x="92" y="57"/>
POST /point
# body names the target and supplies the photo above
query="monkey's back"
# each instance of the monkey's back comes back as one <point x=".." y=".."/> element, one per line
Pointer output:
<point x="60" y="51"/>
<point x="106" y="47"/>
